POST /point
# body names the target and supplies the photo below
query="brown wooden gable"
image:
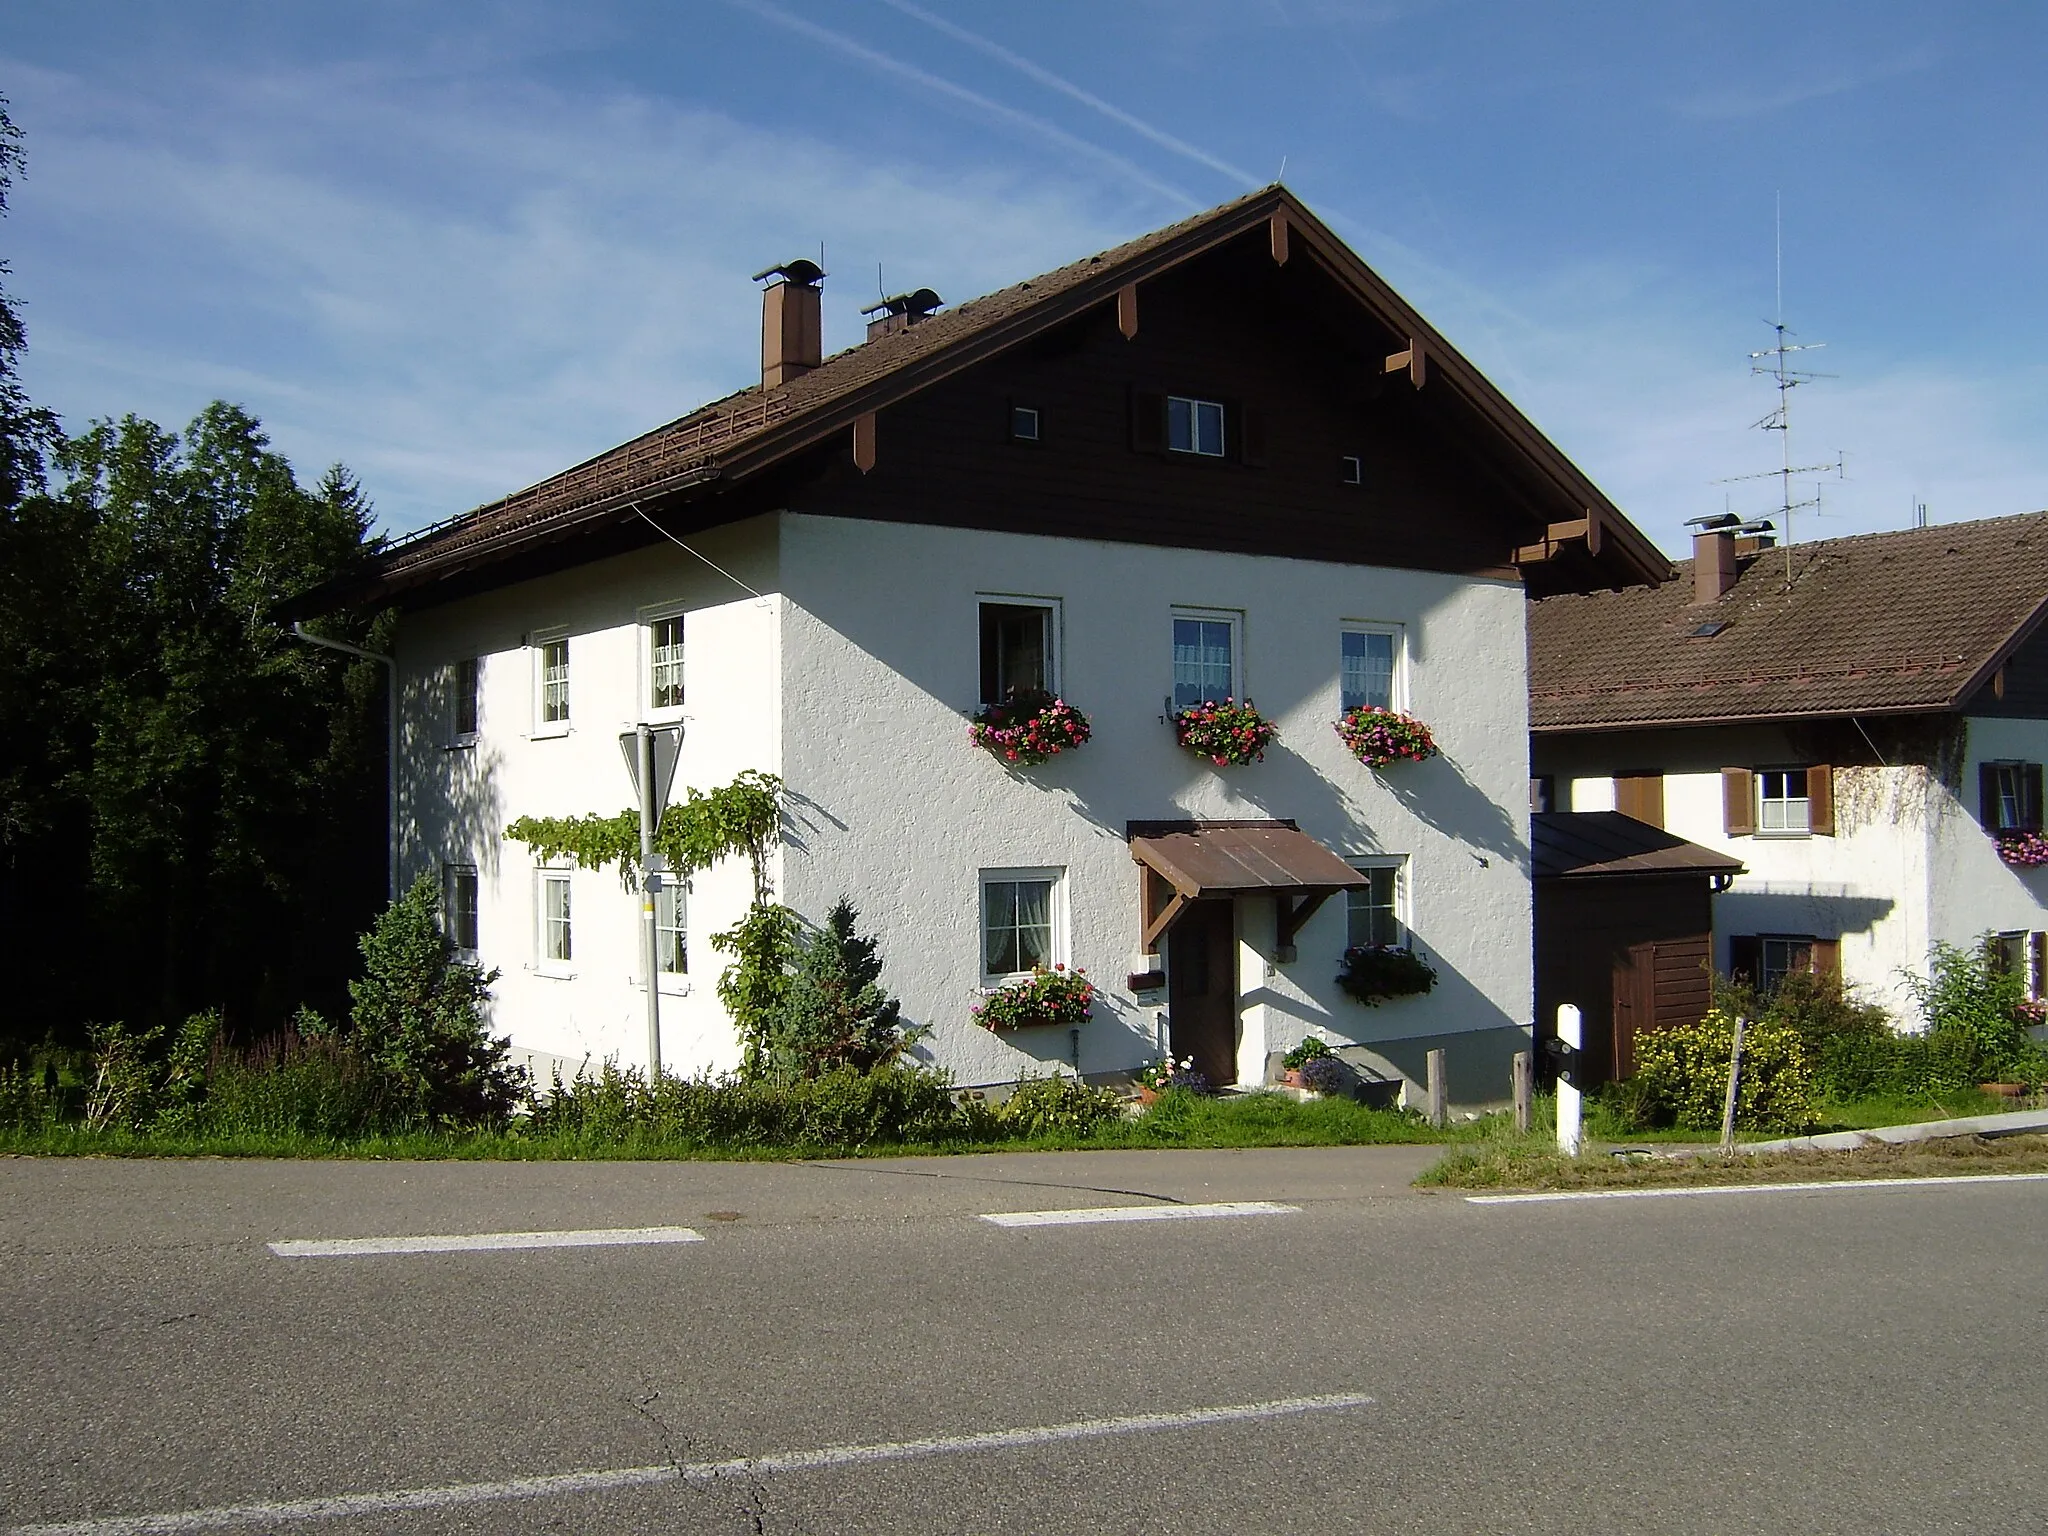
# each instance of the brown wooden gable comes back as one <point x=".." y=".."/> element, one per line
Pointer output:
<point x="1255" y="300"/>
<point x="1300" y="373"/>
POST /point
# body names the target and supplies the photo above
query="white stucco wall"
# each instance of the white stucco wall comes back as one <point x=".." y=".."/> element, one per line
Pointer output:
<point x="893" y="807"/>
<point x="1972" y="890"/>
<point x="455" y="803"/>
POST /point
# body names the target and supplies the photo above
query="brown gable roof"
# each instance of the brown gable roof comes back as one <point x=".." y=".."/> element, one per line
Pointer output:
<point x="1879" y="623"/>
<point x="1596" y="844"/>
<point x="750" y="430"/>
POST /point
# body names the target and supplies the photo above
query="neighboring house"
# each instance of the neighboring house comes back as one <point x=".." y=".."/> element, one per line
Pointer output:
<point x="1224" y="459"/>
<point x="1860" y="721"/>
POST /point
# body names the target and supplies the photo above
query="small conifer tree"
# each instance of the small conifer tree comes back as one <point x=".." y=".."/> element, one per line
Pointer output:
<point x="834" y="1012"/>
<point x="419" y="1015"/>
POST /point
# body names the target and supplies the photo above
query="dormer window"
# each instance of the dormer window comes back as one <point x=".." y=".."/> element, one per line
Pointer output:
<point x="1194" y="426"/>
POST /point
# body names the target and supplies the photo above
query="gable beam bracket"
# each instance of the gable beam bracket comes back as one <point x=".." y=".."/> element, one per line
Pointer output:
<point x="1276" y="227"/>
<point x="1413" y="361"/>
<point x="864" y="441"/>
<point x="1557" y="536"/>
<point x="1127" y="311"/>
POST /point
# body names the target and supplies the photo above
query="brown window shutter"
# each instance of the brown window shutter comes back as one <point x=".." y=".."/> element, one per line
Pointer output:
<point x="1251" y="434"/>
<point x="1738" y="802"/>
<point x="2030" y="811"/>
<point x="1745" y="958"/>
<point x="1820" y="800"/>
<point x="1640" y="795"/>
<point x="1825" y="957"/>
<point x="1987" y="796"/>
<point x="2037" y="954"/>
<point x="1148" y="421"/>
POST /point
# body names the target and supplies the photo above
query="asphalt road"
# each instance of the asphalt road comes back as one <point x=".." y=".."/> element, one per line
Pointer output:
<point x="1847" y="1361"/>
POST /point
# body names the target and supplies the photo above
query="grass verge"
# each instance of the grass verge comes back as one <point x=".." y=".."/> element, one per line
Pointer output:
<point x="1180" y="1120"/>
<point x="1531" y="1166"/>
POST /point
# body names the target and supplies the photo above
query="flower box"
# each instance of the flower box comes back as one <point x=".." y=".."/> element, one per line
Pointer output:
<point x="2023" y="850"/>
<point x="1057" y="996"/>
<point x="1378" y="737"/>
<point x="1029" y="727"/>
<point x="1229" y="734"/>
<point x="1374" y="973"/>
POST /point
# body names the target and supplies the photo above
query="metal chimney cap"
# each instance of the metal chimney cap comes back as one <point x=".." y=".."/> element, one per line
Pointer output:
<point x="803" y="273"/>
<point x="1714" y="523"/>
<point x="921" y="302"/>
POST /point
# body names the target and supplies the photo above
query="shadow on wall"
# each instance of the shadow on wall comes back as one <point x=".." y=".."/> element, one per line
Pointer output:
<point x="450" y="810"/>
<point x="1438" y="793"/>
<point x="1798" y="912"/>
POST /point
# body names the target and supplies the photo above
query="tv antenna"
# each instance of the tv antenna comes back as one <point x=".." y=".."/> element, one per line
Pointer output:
<point x="1775" y="362"/>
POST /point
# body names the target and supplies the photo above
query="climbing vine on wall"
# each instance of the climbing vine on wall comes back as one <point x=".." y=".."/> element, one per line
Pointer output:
<point x="743" y="817"/>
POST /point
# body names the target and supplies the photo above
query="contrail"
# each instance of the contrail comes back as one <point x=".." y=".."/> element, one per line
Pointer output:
<point x="841" y="43"/>
<point x="1051" y="81"/>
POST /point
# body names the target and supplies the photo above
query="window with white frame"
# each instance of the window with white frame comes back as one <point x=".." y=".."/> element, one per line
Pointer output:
<point x="1024" y="424"/>
<point x="1019" y="647"/>
<point x="1369" y="660"/>
<point x="1205" y="657"/>
<point x="672" y="926"/>
<point x="1782" y="805"/>
<point x="665" y="661"/>
<point x="1373" y="913"/>
<point x="458" y="907"/>
<point x="553" y="929"/>
<point x="463" y="712"/>
<point x="550" y="683"/>
<point x="1194" y="426"/>
<point x="2011" y="956"/>
<point x="2015" y="797"/>
<point x="1022" y="922"/>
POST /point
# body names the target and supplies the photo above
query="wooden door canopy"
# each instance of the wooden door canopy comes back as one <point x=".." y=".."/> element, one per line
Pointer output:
<point x="1184" y="861"/>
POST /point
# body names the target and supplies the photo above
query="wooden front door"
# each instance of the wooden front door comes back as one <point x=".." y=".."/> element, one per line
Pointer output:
<point x="1201" y="992"/>
<point x="1634" y="1010"/>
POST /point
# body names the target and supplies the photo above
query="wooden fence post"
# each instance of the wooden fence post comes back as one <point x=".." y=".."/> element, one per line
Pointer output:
<point x="1439" y="1108"/>
<point x="1734" y="1086"/>
<point x="1523" y="1079"/>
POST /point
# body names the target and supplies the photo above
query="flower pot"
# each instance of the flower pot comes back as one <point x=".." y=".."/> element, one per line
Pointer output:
<point x="2013" y="1091"/>
<point x="1290" y="1077"/>
<point x="1147" y="1094"/>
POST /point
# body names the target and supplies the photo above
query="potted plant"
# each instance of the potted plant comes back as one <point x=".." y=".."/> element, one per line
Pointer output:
<point x="1057" y="996"/>
<point x="1030" y="726"/>
<point x="1227" y="733"/>
<point x="2023" y="850"/>
<point x="1378" y="736"/>
<point x="1311" y="1049"/>
<point x="1373" y="973"/>
<point x="1156" y="1077"/>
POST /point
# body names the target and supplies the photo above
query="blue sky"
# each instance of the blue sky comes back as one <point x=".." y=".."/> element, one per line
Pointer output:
<point x="462" y="246"/>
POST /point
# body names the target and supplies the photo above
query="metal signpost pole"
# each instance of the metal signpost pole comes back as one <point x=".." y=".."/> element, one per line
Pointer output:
<point x="650" y="883"/>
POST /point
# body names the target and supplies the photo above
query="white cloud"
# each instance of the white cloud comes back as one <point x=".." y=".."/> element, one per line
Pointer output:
<point x="486" y="283"/>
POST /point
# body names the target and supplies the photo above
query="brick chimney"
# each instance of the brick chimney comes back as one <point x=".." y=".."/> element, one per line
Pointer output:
<point x="1714" y="552"/>
<point x="901" y="312"/>
<point x="792" y="325"/>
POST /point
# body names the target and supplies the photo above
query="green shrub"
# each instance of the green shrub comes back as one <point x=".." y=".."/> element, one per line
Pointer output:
<point x="834" y="1015"/>
<point x="295" y="1085"/>
<point x="1058" y="1105"/>
<point x="26" y="1103"/>
<point x="1971" y="1009"/>
<point x="418" y="1014"/>
<point x="1682" y="1076"/>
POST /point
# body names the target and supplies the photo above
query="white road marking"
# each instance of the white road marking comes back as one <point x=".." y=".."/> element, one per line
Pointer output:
<point x="551" y="1485"/>
<point x="1138" y="1213"/>
<point x="593" y="1237"/>
<point x="1552" y="1196"/>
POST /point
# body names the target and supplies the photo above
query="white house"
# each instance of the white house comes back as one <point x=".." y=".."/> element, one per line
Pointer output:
<point x="1861" y="721"/>
<point x="1224" y="459"/>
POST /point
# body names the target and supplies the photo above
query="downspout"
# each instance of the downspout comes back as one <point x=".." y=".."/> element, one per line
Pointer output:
<point x="390" y="666"/>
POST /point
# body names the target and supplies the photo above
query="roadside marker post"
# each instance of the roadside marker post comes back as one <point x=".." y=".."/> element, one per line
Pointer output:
<point x="1571" y="1035"/>
<point x="651" y="753"/>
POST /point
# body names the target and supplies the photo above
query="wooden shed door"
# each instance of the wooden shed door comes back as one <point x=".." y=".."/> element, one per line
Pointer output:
<point x="1201" y="991"/>
<point x="1635" y="1005"/>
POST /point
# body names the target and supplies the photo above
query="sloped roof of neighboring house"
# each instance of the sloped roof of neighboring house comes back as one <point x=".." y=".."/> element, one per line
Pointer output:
<point x="1587" y="844"/>
<point x="1881" y="623"/>
<point x="732" y="438"/>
